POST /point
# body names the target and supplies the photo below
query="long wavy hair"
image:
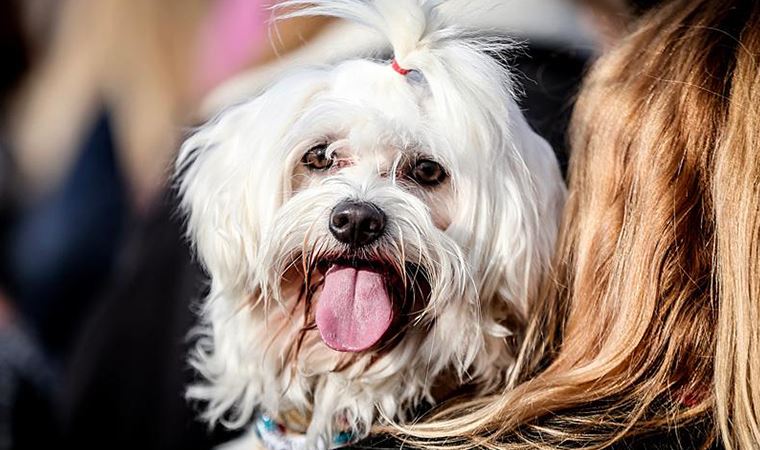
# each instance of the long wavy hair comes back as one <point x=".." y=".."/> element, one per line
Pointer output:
<point x="652" y="321"/>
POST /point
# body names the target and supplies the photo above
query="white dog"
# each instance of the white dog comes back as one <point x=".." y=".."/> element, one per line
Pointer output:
<point x="372" y="230"/>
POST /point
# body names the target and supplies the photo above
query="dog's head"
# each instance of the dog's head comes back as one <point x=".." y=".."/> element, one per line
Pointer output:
<point x="383" y="208"/>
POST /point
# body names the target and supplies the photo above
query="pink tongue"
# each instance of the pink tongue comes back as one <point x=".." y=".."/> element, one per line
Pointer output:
<point x="353" y="311"/>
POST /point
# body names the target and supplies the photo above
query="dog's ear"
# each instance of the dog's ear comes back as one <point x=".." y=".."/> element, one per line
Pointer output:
<point x="508" y="217"/>
<point x="523" y="217"/>
<point x="232" y="174"/>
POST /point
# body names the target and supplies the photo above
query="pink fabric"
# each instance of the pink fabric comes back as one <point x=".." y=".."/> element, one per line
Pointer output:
<point x="233" y="35"/>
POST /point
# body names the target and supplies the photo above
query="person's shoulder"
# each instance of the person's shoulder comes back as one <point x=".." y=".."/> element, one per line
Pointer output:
<point x="699" y="436"/>
<point x="693" y="437"/>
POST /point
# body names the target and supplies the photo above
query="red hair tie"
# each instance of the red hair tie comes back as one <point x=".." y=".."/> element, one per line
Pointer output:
<point x="397" y="68"/>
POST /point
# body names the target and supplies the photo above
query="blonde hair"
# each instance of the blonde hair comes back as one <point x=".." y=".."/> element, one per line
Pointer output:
<point x="652" y="320"/>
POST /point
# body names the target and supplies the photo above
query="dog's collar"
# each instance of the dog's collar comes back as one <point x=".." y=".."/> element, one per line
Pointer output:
<point x="275" y="436"/>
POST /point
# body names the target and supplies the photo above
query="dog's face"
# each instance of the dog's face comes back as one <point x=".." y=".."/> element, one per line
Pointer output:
<point x="379" y="204"/>
<point x="362" y="226"/>
<point x="378" y="227"/>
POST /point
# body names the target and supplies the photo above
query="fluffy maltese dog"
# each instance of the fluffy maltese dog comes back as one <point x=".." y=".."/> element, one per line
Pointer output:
<point x="374" y="232"/>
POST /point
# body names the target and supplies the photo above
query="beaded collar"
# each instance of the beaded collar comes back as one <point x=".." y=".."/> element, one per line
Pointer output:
<point x="275" y="436"/>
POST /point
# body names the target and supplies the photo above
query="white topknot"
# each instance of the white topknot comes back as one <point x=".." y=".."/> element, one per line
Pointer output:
<point x="414" y="29"/>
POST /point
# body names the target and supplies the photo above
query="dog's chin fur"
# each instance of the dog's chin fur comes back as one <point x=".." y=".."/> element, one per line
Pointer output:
<point x="480" y="243"/>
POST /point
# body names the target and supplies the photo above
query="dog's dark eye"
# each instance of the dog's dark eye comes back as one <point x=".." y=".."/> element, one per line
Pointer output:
<point x="428" y="173"/>
<point x="316" y="158"/>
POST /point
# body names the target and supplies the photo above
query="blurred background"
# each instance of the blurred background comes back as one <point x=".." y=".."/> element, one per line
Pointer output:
<point x="97" y="285"/>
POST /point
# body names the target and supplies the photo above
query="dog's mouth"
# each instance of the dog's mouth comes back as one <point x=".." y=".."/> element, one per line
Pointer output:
<point x="356" y="309"/>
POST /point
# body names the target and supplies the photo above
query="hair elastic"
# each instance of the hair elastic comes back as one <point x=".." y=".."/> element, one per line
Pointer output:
<point x="397" y="68"/>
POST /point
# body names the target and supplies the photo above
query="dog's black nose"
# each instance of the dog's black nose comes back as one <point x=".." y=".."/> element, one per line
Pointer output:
<point x="357" y="223"/>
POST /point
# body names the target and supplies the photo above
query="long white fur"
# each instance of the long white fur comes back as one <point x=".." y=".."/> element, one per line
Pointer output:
<point x="247" y="222"/>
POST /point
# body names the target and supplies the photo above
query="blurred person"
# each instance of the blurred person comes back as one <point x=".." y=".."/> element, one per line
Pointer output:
<point x="648" y="337"/>
<point x="93" y="129"/>
<point x="72" y="198"/>
<point x="26" y="378"/>
<point x="91" y="110"/>
<point x="148" y="63"/>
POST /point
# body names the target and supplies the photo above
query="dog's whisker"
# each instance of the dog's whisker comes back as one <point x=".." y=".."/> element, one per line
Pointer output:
<point x="291" y="264"/>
